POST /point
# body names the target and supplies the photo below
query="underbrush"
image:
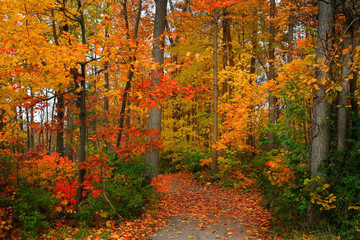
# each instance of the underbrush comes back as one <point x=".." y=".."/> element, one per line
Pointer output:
<point x="41" y="193"/>
<point x="331" y="200"/>
<point x="282" y="176"/>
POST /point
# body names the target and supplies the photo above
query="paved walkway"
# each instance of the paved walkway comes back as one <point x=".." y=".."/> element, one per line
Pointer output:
<point x="207" y="212"/>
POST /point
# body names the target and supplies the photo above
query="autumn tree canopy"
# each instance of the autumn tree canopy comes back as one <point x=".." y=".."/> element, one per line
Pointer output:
<point x="97" y="96"/>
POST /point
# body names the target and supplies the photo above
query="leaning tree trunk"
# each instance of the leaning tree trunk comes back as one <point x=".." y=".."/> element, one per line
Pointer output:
<point x="320" y="127"/>
<point x="152" y="154"/>
<point x="130" y="72"/>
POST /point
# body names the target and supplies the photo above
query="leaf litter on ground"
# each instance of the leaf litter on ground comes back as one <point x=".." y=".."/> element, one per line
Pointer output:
<point x="201" y="205"/>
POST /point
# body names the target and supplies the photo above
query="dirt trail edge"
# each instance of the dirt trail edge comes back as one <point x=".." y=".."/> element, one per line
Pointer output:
<point x="207" y="212"/>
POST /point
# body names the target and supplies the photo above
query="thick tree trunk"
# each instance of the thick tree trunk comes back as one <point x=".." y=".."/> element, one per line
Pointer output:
<point x="272" y="98"/>
<point x="152" y="154"/>
<point x="321" y="107"/>
<point x="215" y="94"/>
<point x="342" y="113"/>
<point x="350" y="8"/>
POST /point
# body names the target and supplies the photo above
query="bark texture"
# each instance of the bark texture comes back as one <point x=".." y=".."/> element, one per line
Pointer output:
<point x="342" y="113"/>
<point x="320" y="128"/>
<point x="152" y="154"/>
<point x="215" y="94"/>
<point x="82" y="116"/>
<point x="272" y="98"/>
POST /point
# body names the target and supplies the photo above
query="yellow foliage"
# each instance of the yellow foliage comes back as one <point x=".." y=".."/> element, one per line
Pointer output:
<point x="6" y="218"/>
<point x="326" y="203"/>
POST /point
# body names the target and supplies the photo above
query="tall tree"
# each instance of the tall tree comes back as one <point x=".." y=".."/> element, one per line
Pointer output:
<point x="82" y="106"/>
<point x="351" y="41"/>
<point x="152" y="154"/>
<point x="60" y="99"/>
<point x="320" y="126"/>
<point x="272" y="98"/>
<point x="289" y="58"/>
<point x="130" y="74"/>
<point x="215" y="93"/>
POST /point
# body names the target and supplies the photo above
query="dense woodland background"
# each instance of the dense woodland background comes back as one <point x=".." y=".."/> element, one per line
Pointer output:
<point x="98" y="97"/>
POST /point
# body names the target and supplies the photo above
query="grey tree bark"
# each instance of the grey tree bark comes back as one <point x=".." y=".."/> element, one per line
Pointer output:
<point x="215" y="94"/>
<point x="342" y="113"/>
<point x="152" y="153"/>
<point x="272" y="98"/>
<point x="320" y="128"/>
<point x="350" y="10"/>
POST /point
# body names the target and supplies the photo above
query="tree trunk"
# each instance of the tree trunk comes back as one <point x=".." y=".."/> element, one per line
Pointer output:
<point x="342" y="113"/>
<point x="250" y="139"/>
<point x="82" y="115"/>
<point x="152" y="154"/>
<point x="320" y="127"/>
<point x="353" y="24"/>
<point x="2" y="114"/>
<point x="272" y="98"/>
<point x="215" y="94"/>
<point x="228" y="58"/>
<point x="28" y="145"/>
<point x="289" y="60"/>
<point x="69" y="127"/>
<point x="60" y="127"/>
<point x="130" y="72"/>
<point x="60" y="106"/>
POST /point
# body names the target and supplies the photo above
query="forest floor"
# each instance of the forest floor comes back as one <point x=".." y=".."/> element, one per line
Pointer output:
<point x="209" y="212"/>
<point x="189" y="210"/>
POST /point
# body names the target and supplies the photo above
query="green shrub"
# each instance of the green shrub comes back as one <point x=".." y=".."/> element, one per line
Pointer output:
<point x="192" y="160"/>
<point x="170" y="162"/>
<point x="288" y="201"/>
<point x="343" y="175"/>
<point x="34" y="209"/>
<point x="127" y="190"/>
<point x="88" y="210"/>
<point x="227" y="184"/>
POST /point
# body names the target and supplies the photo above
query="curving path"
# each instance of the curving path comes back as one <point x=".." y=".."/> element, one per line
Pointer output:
<point x="207" y="212"/>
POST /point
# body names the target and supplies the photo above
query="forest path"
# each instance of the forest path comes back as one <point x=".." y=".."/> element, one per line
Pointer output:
<point x="207" y="212"/>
